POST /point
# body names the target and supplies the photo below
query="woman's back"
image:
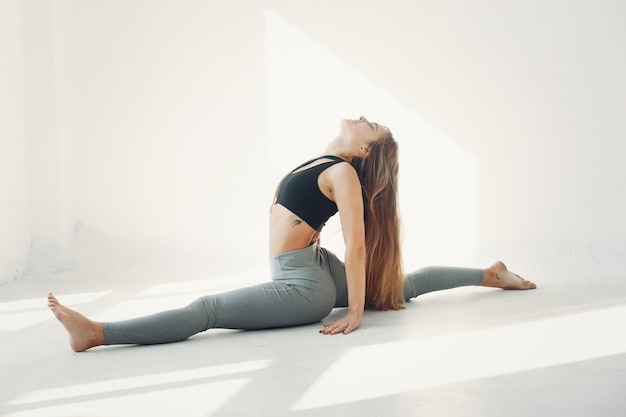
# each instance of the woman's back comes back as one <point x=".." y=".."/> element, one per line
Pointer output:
<point x="289" y="230"/>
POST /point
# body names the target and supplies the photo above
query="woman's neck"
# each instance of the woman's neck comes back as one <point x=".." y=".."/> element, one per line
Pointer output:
<point x="340" y="148"/>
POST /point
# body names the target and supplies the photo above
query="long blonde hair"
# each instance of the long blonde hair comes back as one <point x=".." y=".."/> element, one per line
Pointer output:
<point x="378" y="173"/>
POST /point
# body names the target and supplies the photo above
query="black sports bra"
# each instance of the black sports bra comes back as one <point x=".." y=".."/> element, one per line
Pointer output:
<point x="300" y="193"/>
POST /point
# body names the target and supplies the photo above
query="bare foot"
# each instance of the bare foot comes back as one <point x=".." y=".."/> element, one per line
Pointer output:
<point x="498" y="276"/>
<point x="84" y="333"/>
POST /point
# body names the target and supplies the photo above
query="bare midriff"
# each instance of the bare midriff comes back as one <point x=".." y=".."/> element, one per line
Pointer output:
<point x="289" y="232"/>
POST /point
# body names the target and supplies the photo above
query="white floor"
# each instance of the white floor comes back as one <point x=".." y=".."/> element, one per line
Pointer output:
<point x="556" y="351"/>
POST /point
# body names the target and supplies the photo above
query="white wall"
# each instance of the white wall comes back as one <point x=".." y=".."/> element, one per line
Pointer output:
<point x="48" y="155"/>
<point x="534" y="91"/>
<point x="156" y="130"/>
<point x="164" y="103"/>
<point x="14" y="219"/>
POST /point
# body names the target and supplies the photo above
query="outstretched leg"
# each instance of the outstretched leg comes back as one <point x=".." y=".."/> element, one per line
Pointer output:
<point x="84" y="333"/>
<point x="435" y="278"/>
<point x="267" y="305"/>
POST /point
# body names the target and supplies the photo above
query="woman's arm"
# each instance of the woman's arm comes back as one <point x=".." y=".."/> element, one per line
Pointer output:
<point x="346" y="192"/>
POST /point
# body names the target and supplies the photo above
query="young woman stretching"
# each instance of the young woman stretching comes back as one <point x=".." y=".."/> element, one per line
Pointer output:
<point x="357" y="176"/>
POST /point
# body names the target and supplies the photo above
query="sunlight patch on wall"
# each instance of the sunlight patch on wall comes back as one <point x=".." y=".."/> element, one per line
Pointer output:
<point x="468" y="356"/>
<point x="310" y="90"/>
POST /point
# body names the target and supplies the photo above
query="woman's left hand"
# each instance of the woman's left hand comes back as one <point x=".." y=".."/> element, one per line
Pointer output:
<point x="345" y="325"/>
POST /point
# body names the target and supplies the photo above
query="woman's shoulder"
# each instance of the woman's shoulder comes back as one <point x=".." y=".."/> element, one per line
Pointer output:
<point x="342" y="173"/>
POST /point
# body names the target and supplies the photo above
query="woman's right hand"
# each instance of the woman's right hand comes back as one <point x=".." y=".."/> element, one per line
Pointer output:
<point x="344" y="325"/>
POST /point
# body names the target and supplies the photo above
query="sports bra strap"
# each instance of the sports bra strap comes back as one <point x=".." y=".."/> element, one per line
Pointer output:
<point x="333" y="157"/>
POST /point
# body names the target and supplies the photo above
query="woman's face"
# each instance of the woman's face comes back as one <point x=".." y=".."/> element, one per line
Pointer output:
<point x="362" y="132"/>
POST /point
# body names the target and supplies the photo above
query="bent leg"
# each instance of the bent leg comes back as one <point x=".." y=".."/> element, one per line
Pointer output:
<point x="435" y="278"/>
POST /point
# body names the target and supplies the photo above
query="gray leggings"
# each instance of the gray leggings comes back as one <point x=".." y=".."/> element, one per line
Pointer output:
<point x="306" y="285"/>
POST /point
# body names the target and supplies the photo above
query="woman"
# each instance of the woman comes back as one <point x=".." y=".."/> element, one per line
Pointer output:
<point x="357" y="177"/>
